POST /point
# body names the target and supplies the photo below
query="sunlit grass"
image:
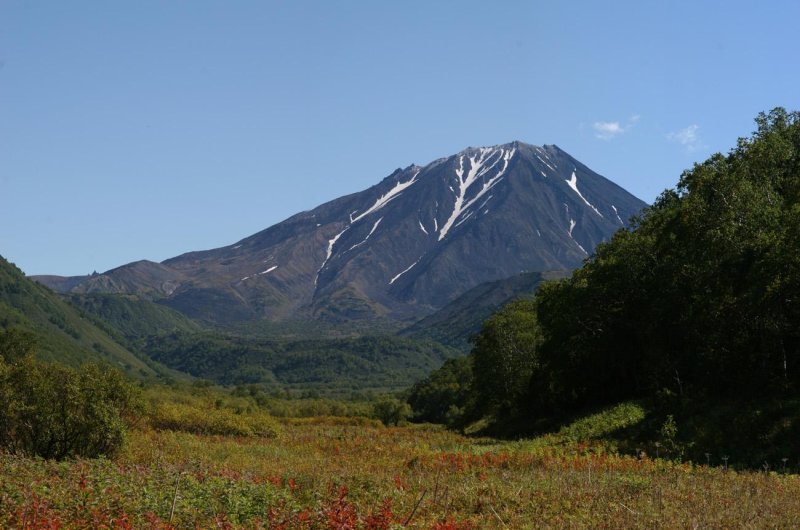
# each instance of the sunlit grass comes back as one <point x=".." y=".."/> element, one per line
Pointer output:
<point x="324" y="475"/>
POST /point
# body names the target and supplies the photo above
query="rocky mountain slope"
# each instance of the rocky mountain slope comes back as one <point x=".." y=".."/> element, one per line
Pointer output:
<point x="399" y="250"/>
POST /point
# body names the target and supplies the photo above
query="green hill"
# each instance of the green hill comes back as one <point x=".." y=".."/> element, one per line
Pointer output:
<point x="456" y="322"/>
<point x="62" y="334"/>
<point x="131" y="316"/>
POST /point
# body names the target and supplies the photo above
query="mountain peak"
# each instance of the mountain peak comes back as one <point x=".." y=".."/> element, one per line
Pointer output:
<point x="403" y="247"/>
<point x="508" y="145"/>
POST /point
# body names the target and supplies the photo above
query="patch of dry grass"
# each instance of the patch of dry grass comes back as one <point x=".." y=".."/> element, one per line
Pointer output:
<point x="324" y="475"/>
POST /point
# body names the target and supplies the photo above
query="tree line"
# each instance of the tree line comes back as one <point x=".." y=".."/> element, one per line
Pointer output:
<point x="699" y="299"/>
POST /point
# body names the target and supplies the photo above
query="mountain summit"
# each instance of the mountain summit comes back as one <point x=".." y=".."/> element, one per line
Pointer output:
<point x="400" y="249"/>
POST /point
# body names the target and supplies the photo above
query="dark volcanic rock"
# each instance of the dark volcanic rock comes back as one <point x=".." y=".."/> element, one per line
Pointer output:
<point x="400" y="249"/>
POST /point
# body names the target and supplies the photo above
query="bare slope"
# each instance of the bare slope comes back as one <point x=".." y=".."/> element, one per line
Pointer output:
<point x="400" y="249"/>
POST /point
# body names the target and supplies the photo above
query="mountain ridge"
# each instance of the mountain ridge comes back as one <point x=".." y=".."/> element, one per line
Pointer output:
<point x="398" y="250"/>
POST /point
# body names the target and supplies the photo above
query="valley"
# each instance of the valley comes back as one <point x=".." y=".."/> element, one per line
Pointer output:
<point x="547" y="384"/>
<point x="399" y="265"/>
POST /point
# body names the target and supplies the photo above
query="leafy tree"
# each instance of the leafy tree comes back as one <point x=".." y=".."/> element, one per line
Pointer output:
<point x="16" y="344"/>
<point x="504" y="357"/>
<point x="443" y="396"/>
<point x="699" y="298"/>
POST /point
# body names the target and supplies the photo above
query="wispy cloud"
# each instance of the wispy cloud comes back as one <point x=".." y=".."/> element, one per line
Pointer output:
<point x="687" y="137"/>
<point x="607" y="130"/>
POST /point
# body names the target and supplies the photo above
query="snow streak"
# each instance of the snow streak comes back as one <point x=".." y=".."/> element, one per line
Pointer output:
<point x="383" y="200"/>
<point x="405" y="271"/>
<point x="479" y="167"/>
<point x="370" y="233"/>
<point x="545" y="163"/>
<point x="573" y="183"/>
<point x="571" y="228"/>
<point x="617" y="214"/>
<point x="331" y="242"/>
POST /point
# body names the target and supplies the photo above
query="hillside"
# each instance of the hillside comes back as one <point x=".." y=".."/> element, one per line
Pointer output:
<point x="456" y="322"/>
<point x="62" y="334"/>
<point x="131" y="316"/>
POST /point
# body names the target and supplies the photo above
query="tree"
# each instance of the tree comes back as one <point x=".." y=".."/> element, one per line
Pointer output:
<point x="504" y="357"/>
<point x="443" y="396"/>
<point x="700" y="297"/>
<point x="16" y="344"/>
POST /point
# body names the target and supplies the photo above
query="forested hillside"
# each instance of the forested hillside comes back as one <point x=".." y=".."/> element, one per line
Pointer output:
<point x="696" y="306"/>
<point x="61" y="333"/>
<point x="327" y="366"/>
<point x="129" y="318"/>
<point x="459" y="320"/>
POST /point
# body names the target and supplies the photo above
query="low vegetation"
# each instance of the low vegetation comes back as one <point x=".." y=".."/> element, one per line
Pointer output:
<point x="326" y="476"/>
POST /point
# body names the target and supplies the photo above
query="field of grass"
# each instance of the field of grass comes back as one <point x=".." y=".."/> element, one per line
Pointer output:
<point x="339" y="473"/>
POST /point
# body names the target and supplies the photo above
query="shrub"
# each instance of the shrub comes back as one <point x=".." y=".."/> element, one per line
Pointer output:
<point x="391" y="411"/>
<point x="58" y="412"/>
<point x="209" y="420"/>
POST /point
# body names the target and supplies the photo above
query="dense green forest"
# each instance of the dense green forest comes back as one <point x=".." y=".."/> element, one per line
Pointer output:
<point x="321" y="366"/>
<point x="129" y="317"/>
<point x="694" y="310"/>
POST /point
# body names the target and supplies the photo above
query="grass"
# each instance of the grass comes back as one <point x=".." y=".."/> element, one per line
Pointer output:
<point x="355" y="474"/>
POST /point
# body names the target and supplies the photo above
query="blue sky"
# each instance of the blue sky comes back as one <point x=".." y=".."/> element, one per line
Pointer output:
<point x="144" y="129"/>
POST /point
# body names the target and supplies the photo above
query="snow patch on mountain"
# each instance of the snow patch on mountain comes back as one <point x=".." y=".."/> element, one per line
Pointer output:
<point x="617" y="214"/>
<point x="545" y="163"/>
<point x="403" y="272"/>
<point x="573" y="183"/>
<point x="331" y="243"/>
<point x="366" y="238"/>
<point x="479" y="167"/>
<point x="385" y="199"/>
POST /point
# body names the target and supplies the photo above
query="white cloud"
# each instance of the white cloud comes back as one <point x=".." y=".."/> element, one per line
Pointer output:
<point x="687" y="137"/>
<point x="607" y="130"/>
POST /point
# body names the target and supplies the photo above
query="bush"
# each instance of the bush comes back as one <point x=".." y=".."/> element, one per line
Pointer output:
<point x="57" y="412"/>
<point x="391" y="411"/>
<point x="208" y="420"/>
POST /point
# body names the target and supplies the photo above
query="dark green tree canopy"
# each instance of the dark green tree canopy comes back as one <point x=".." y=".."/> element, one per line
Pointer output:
<point x="702" y="294"/>
<point x="700" y="298"/>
